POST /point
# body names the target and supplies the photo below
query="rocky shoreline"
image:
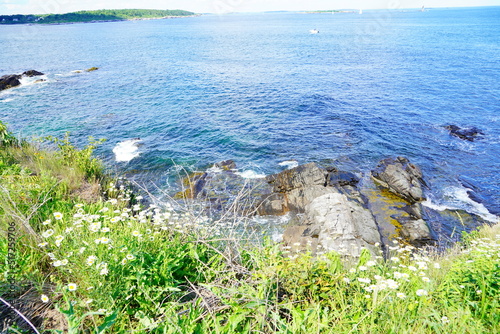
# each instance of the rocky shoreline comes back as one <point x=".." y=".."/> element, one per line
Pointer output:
<point x="330" y="209"/>
<point x="333" y="214"/>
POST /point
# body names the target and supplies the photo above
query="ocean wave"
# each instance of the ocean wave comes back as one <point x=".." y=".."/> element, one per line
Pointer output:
<point x="27" y="81"/>
<point x="69" y="74"/>
<point x="126" y="150"/>
<point x="7" y="100"/>
<point x="250" y="174"/>
<point x="289" y="164"/>
<point x="457" y="198"/>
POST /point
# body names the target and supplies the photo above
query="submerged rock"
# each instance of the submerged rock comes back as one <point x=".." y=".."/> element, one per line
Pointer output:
<point x="226" y="165"/>
<point x="193" y="185"/>
<point x="338" y="178"/>
<point x="401" y="177"/>
<point x="469" y="134"/>
<point x="221" y="185"/>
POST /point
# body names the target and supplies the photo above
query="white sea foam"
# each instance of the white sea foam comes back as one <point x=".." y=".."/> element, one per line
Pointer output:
<point x="250" y="174"/>
<point x="289" y="164"/>
<point x="215" y="170"/>
<point x="69" y="74"/>
<point x="7" y="100"/>
<point x="26" y="81"/>
<point x="126" y="150"/>
<point x="457" y="198"/>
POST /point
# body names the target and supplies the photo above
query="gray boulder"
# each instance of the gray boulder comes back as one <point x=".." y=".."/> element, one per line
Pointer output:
<point x="293" y="190"/>
<point x="9" y="81"/>
<point x="298" y="177"/>
<point x="298" y="199"/>
<point x="416" y="231"/>
<point x="274" y="204"/>
<point x="334" y="222"/>
<point x="32" y="73"/>
<point x="226" y="165"/>
<point x="401" y="177"/>
<point x="405" y="180"/>
<point x="329" y="211"/>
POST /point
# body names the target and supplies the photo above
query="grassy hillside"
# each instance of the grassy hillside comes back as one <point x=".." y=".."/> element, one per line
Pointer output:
<point x="83" y="254"/>
<point x="93" y="15"/>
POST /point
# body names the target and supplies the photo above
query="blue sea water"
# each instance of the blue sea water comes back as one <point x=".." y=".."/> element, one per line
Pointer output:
<point x="260" y="89"/>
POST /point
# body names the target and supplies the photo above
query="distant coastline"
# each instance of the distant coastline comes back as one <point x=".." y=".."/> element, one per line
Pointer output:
<point x="329" y="11"/>
<point x="108" y="15"/>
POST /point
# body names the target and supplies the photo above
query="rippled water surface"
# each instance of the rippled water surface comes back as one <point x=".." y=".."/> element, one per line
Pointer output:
<point x="259" y="89"/>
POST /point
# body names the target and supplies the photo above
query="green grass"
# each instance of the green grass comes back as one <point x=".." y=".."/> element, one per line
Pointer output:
<point x="110" y="264"/>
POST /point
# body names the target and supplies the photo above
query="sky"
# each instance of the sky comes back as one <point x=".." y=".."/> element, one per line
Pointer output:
<point x="225" y="6"/>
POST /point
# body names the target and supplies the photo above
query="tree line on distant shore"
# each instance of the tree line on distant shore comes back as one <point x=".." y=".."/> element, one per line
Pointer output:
<point x="93" y="15"/>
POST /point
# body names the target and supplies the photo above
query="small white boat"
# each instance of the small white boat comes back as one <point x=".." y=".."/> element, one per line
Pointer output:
<point x="314" y="31"/>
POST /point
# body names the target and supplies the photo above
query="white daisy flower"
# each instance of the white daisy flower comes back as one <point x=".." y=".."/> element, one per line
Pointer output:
<point x="421" y="292"/>
<point x="47" y="233"/>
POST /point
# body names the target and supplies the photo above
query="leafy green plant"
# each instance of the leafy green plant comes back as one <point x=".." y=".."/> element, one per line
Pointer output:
<point x="82" y="158"/>
<point x="6" y="137"/>
<point x="474" y="280"/>
<point x="75" y="322"/>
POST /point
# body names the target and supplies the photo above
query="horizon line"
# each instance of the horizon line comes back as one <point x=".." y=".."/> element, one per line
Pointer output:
<point x="267" y="11"/>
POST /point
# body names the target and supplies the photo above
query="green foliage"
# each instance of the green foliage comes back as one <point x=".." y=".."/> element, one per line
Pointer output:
<point x="75" y="322"/>
<point x="35" y="183"/>
<point x="474" y="280"/>
<point x="82" y="158"/>
<point x="6" y="137"/>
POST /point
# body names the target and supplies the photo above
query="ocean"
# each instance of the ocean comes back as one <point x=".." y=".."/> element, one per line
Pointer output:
<point x="260" y="89"/>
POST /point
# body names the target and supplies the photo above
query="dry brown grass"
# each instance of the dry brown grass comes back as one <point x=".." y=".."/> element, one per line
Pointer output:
<point x="27" y="301"/>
